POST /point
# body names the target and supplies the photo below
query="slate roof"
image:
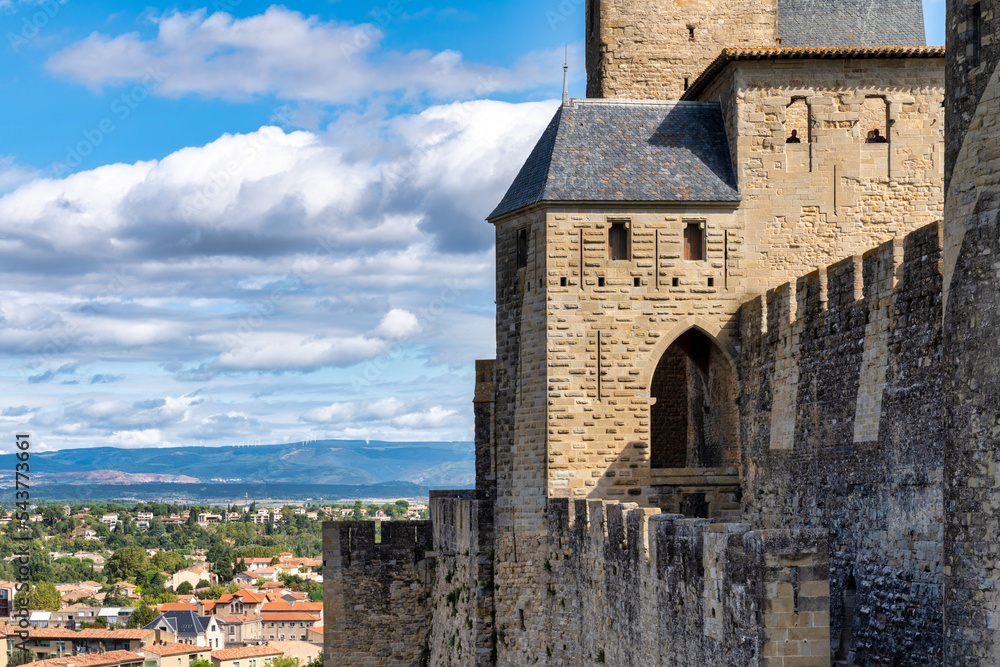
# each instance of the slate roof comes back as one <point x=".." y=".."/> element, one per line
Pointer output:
<point x="627" y="151"/>
<point x="182" y="622"/>
<point x="851" y="23"/>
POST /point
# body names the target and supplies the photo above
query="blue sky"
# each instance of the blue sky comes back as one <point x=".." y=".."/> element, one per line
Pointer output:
<point x="251" y="223"/>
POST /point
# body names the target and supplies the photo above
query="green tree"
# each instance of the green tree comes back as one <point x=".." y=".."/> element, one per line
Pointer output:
<point x="185" y="588"/>
<point x="316" y="595"/>
<point x="126" y="563"/>
<point x="284" y="661"/>
<point x="203" y="583"/>
<point x="200" y="663"/>
<point x="41" y="595"/>
<point x="141" y="617"/>
<point x="20" y="656"/>
<point x="233" y="588"/>
<point x="213" y="593"/>
<point x="168" y="561"/>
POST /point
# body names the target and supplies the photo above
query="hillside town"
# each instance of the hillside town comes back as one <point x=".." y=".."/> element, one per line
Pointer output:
<point x="109" y="585"/>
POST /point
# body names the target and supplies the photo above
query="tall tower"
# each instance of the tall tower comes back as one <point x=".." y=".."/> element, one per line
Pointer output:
<point x="971" y="321"/>
<point x="654" y="50"/>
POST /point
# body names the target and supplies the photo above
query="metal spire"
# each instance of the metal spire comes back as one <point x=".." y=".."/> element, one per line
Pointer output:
<point x="566" y="77"/>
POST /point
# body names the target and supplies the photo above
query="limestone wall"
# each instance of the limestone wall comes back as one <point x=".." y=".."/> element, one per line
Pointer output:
<point x="643" y="50"/>
<point x="627" y="586"/>
<point x="809" y="204"/>
<point x="462" y="630"/>
<point x="376" y="597"/>
<point x="972" y="319"/>
<point x="842" y="430"/>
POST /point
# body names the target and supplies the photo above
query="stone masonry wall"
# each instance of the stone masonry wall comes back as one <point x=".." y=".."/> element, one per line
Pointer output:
<point x="630" y="587"/>
<point x="462" y="630"/>
<point x="376" y="597"/>
<point x="846" y="366"/>
<point x="971" y="323"/>
<point x="646" y="50"/>
<point x="809" y="204"/>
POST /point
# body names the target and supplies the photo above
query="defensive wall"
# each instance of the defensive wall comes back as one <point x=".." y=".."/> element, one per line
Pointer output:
<point x="842" y="429"/>
<point x="376" y="596"/>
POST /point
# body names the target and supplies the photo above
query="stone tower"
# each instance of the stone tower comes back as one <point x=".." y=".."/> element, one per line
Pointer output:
<point x="654" y="50"/>
<point x="971" y="322"/>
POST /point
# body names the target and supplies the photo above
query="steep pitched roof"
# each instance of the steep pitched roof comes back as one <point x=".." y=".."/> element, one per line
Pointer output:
<point x="627" y="151"/>
<point x="851" y="23"/>
<point x="182" y="622"/>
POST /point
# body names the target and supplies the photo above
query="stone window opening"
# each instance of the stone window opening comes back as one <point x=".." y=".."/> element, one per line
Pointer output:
<point x="975" y="33"/>
<point x="685" y="83"/>
<point x="618" y="241"/>
<point x="874" y="120"/>
<point x="690" y="33"/>
<point x="797" y="121"/>
<point x="694" y="422"/>
<point x="522" y="248"/>
<point x="844" y="649"/>
<point x="694" y="242"/>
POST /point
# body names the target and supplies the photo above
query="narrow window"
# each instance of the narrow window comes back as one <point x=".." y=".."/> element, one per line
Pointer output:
<point x="637" y="281"/>
<point x="975" y="32"/>
<point x="676" y="282"/>
<point x="694" y="242"/>
<point x="562" y="282"/>
<point x="593" y="16"/>
<point x="690" y="33"/>
<point x="600" y="282"/>
<point x="685" y="83"/>
<point x="618" y="241"/>
<point x="711" y="282"/>
<point x="522" y="248"/>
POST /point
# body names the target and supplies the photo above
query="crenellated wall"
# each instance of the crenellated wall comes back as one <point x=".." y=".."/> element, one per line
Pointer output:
<point x="842" y="429"/>
<point x="628" y="586"/>
<point x="376" y="596"/>
<point x="462" y="630"/>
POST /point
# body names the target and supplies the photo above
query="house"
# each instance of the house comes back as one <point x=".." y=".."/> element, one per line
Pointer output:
<point x="315" y="634"/>
<point x="189" y="628"/>
<point x="287" y="626"/>
<point x="86" y="532"/>
<point x="116" y="615"/>
<point x="241" y="602"/>
<point x="192" y="575"/>
<point x="269" y="573"/>
<point x="281" y="607"/>
<point x="110" y="520"/>
<point x="303" y="652"/>
<point x="7" y="590"/>
<point x="239" y="630"/>
<point x="244" y="578"/>
<point x="56" y="642"/>
<point x="173" y="654"/>
<point x="246" y="656"/>
<point x="109" y="659"/>
<point x="209" y="519"/>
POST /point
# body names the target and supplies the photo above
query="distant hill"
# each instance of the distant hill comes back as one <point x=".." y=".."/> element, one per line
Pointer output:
<point x="324" y="462"/>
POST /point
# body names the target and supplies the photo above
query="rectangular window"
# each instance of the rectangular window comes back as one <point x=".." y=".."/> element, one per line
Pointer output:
<point x="522" y="248"/>
<point x="694" y="242"/>
<point x="618" y="241"/>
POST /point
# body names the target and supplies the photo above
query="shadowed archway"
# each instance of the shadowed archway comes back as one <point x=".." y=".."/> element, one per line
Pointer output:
<point x="694" y="421"/>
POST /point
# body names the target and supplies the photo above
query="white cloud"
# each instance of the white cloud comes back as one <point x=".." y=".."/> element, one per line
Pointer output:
<point x="209" y="282"/>
<point x="147" y="438"/>
<point x="398" y="324"/>
<point x="284" y="53"/>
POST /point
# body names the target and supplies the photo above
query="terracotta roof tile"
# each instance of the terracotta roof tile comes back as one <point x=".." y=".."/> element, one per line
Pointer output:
<point x="244" y="652"/>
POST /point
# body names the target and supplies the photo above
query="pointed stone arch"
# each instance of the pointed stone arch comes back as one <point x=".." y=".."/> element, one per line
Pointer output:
<point x="694" y="421"/>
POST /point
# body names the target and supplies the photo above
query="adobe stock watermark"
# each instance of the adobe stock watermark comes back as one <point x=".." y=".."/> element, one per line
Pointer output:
<point x="216" y="184"/>
<point x="121" y="108"/>
<point x="365" y="35"/>
<point x="33" y="24"/>
<point x="60" y="341"/>
<point x="563" y="12"/>
<point x="426" y="317"/>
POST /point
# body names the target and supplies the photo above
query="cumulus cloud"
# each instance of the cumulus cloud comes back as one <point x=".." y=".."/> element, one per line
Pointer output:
<point x="212" y="280"/>
<point x="287" y="54"/>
